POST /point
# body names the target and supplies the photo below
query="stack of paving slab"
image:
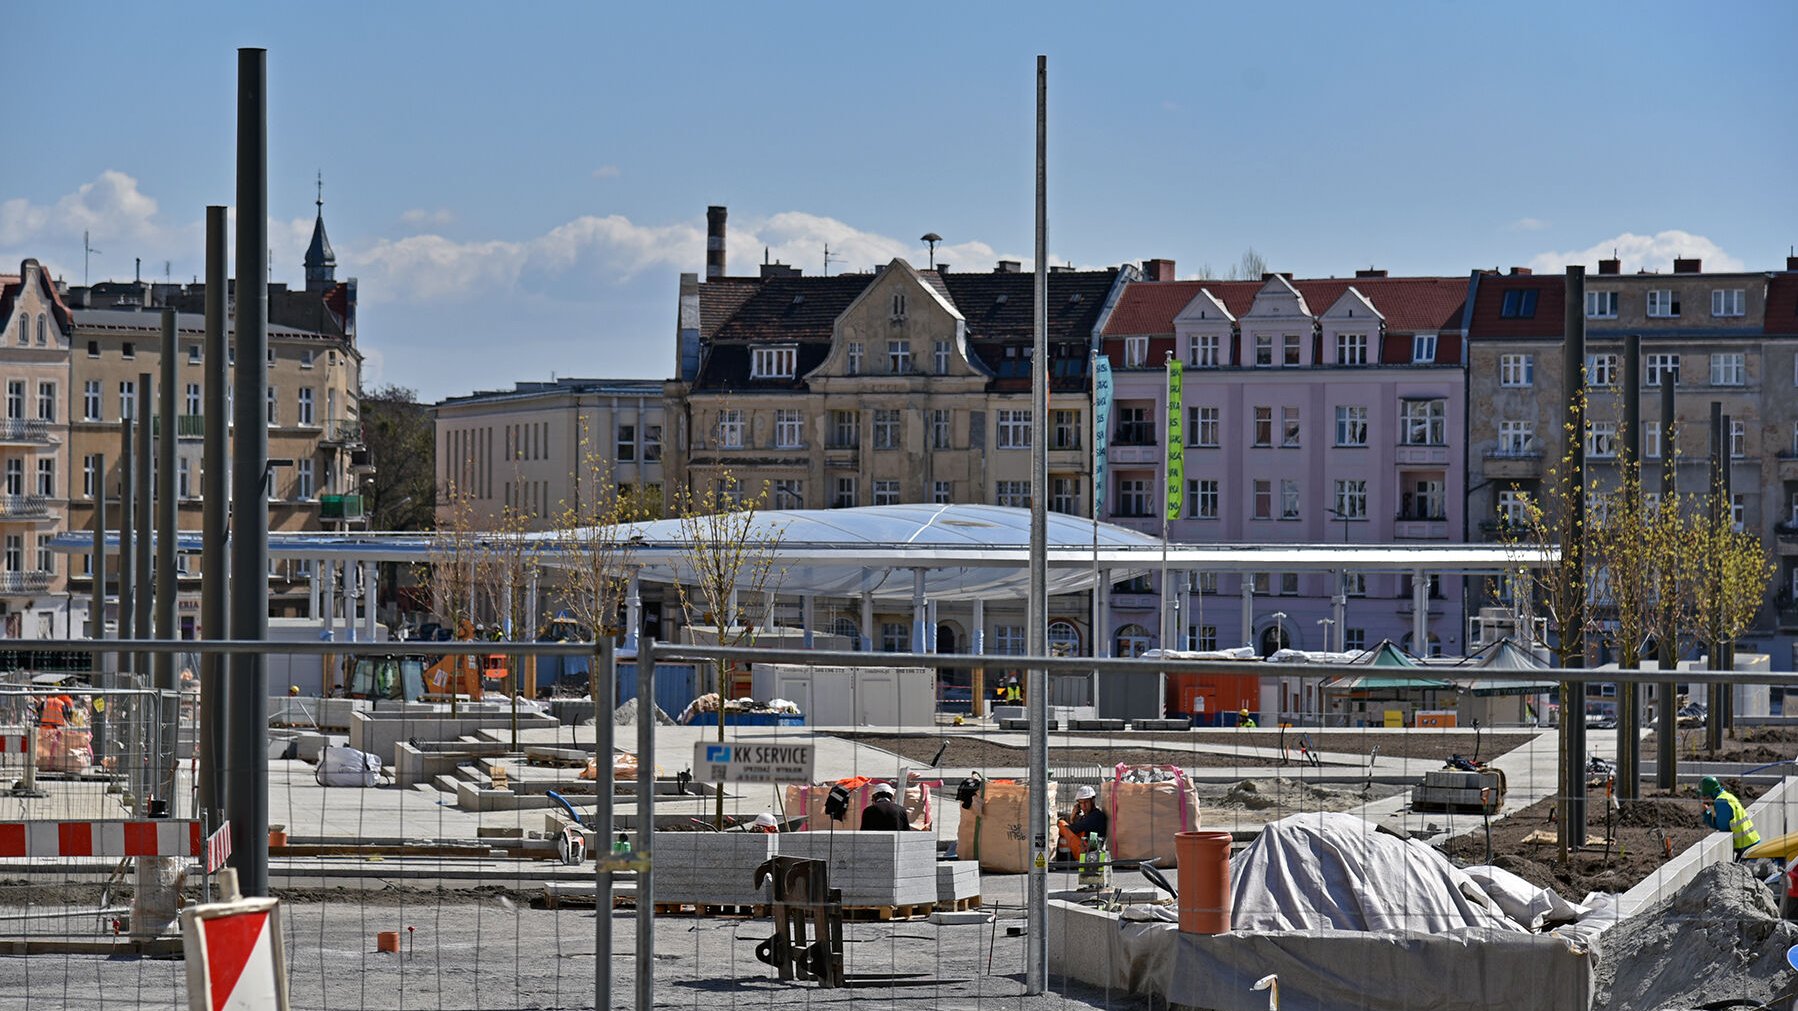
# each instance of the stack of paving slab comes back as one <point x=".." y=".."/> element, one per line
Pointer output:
<point x="710" y="868"/>
<point x="871" y="868"/>
<point x="956" y="882"/>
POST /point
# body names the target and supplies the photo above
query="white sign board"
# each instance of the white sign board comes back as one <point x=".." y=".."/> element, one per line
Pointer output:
<point x="740" y="762"/>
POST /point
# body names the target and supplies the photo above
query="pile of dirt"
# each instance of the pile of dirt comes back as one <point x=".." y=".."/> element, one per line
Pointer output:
<point x="1719" y="937"/>
<point x="1744" y="744"/>
<point x="1265" y="794"/>
<point x="626" y="715"/>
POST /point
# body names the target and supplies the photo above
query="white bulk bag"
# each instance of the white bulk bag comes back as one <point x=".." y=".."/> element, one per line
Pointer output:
<point x="348" y="767"/>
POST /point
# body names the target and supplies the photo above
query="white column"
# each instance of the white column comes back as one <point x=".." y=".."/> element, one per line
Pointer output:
<point x="505" y="619"/>
<point x="633" y="609"/>
<point x="1420" y="613"/>
<point x="1103" y="632"/>
<point x="767" y="608"/>
<point x="867" y="621"/>
<point x="917" y="610"/>
<point x="807" y="616"/>
<point x="349" y="596"/>
<point x="369" y="581"/>
<point x="312" y="585"/>
<point x="1248" y="609"/>
<point x="930" y="627"/>
<point x="532" y="615"/>
<point x="1186" y="616"/>
<point x="329" y="600"/>
<point x="729" y="620"/>
<point x="1339" y="611"/>
<point x="979" y="630"/>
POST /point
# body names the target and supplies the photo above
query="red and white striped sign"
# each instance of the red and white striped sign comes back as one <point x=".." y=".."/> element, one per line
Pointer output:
<point x="13" y="744"/>
<point x="235" y="960"/>
<point x="218" y="848"/>
<point x="133" y="838"/>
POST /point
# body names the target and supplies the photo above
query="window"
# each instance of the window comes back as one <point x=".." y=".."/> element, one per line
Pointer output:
<point x="1738" y="511"/>
<point x="1351" y="425"/>
<point x="1729" y="369"/>
<point x="306" y="407"/>
<point x="1651" y="440"/>
<point x="626" y="443"/>
<point x="845" y="429"/>
<point x="1724" y="302"/>
<point x="90" y="474"/>
<point x="1657" y="365"/>
<point x="942" y="492"/>
<point x="1513" y="507"/>
<point x="1133" y="497"/>
<point x="1738" y="438"/>
<point x="773" y="363"/>
<point x="273" y="411"/>
<point x="898" y="306"/>
<point x="886" y="429"/>
<point x="1516" y="370"/>
<point x="1264" y="350"/>
<point x="730" y="492"/>
<point x="886" y="493"/>
<point x="1354" y="638"/>
<point x="1261" y="582"/>
<point x="306" y="358"/>
<point x="1519" y="303"/>
<point x="1014" y="429"/>
<point x="1351" y="349"/>
<point x="787" y="493"/>
<point x="1601" y="305"/>
<point x="1351" y="499"/>
<point x="42" y="339"/>
<point x="1601" y="439"/>
<point x="1204" y="424"/>
<point x="1354" y="584"/>
<point x="1663" y="303"/>
<point x="193" y="399"/>
<point x="302" y="485"/>
<point x="1425" y="422"/>
<point x="1066" y="432"/>
<point x="127" y="399"/>
<point x="1202" y="637"/>
<point x="1427" y="500"/>
<point x="899" y="357"/>
<point x="895" y="636"/>
<point x="93" y="349"/>
<point x="1601" y="370"/>
<point x="730" y="429"/>
<point x="1289" y="499"/>
<point x="1008" y="640"/>
<point x="1289" y="583"/>
<point x="15" y="399"/>
<point x="231" y="354"/>
<point x="790" y="427"/>
<point x="1201" y="498"/>
<point x="1134" y="427"/>
<point x="1262" y="507"/>
<point x="1136" y="352"/>
<point x="15" y="546"/>
<point x="1423" y="348"/>
<point x="939" y="428"/>
<point x="1516" y="438"/>
<point x="184" y="478"/>
<point x="940" y="357"/>
<point x="855" y="358"/>
<point x="46" y="476"/>
<point x="845" y="495"/>
<point x="15" y="476"/>
<point x="1289" y="351"/>
<point x="46" y="401"/>
<point x="1264" y="426"/>
<point x="193" y="354"/>
<point x="652" y="443"/>
<point x="1289" y="426"/>
<point x="90" y="400"/>
<point x="127" y="350"/>
<point x="271" y="356"/>
<point x="46" y="562"/>
<point x="1204" y="351"/>
<point x="1012" y="493"/>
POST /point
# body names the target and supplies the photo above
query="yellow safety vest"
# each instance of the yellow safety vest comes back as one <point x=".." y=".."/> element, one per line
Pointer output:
<point x="1741" y="827"/>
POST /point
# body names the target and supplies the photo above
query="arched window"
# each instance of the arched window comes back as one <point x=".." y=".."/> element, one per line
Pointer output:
<point x="41" y="330"/>
<point x="1132" y="640"/>
<point x="846" y="627"/>
<point x="1064" y="639"/>
<point x="1274" y="640"/>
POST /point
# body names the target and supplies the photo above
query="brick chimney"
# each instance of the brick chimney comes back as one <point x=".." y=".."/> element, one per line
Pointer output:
<point x="1610" y="266"/>
<point x="1792" y="263"/>
<point x="1521" y="272"/>
<point x="714" y="241"/>
<point x="1688" y="265"/>
<point x="1370" y="272"/>
<point x="1158" y="270"/>
<point x="1009" y="267"/>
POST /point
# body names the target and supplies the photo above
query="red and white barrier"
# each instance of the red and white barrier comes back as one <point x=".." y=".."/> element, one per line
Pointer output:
<point x="14" y="744"/>
<point x="133" y="838"/>
<point x="235" y="958"/>
<point x="218" y="848"/>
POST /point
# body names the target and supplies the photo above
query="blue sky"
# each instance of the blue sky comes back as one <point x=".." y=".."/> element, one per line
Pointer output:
<point x="518" y="187"/>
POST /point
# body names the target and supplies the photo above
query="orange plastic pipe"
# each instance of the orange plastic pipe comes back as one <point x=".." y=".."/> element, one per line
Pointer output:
<point x="1204" y="877"/>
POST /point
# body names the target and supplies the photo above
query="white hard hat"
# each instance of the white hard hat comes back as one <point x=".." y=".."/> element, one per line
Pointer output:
<point x="1085" y="793"/>
<point x="764" y="820"/>
<point x="883" y="789"/>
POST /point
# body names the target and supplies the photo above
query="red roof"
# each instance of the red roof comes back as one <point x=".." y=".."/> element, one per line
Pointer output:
<point x="1489" y="320"/>
<point x="1782" y="304"/>
<point x="11" y="284"/>
<point x="1408" y="303"/>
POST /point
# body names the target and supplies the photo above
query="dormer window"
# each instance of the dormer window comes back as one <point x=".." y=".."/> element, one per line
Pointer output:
<point x="898" y="305"/>
<point x="1136" y="352"/>
<point x="773" y="363"/>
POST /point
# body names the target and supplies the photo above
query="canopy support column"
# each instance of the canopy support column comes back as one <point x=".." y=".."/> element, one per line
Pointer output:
<point x="807" y="616"/>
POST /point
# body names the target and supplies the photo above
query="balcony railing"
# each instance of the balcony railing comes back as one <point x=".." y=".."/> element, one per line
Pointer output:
<point x="343" y="431"/>
<point x="187" y="426"/>
<point x="340" y="507"/>
<point x="1134" y="435"/>
<point x="24" y="507"/>
<point x="27" y="431"/>
<point x="24" y="582"/>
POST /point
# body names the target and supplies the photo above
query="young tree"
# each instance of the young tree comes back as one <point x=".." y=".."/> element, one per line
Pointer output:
<point x="1727" y="582"/>
<point x="729" y="552"/>
<point x="1249" y="267"/>
<point x="594" y="546"/>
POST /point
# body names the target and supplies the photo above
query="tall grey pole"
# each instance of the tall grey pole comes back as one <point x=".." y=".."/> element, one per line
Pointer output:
<point x="127" y="662"/>
<point x="646" y="822"/>
<point x="1573" y="632"/>
<point x="1666" y="738"/>
<point x="96" y="608"/>
<point x="247" y="729"/>
<point x="1037" y="941"/>
<point x="215" y="565"/>
<point x="605" y="733"/>
<point x="1629" y="694"/>
<point x="165" y="555"/>
<point x="146" y="467"/>
<point x="1727" y="502"/>
<point x="1713" y="721"/>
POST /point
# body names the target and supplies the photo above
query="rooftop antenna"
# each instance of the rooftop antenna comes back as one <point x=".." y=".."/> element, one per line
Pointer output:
<point x="932" y="239"/>
<point x="87" y="252"/>
<point x="320" y="200"/>
<point x="168" y="268"/>
<point x="828" y="258"/>
<point x="764" y="256"/>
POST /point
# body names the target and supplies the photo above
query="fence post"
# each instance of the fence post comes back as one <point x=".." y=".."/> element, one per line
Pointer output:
<point x="603" y="682"/>
<point x="646" y="824"/>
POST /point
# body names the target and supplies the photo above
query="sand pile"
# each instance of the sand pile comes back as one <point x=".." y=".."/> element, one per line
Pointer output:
<point x="1718" y="938"/>
<point x="626" y="715"/>
<point x="1265" y="794"/>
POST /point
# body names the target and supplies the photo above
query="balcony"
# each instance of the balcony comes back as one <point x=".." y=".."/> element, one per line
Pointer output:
<point x="24" y="507"/>
<point x="1787" y="536"/>
<point x="187" y="426"/>
<point x="1420" y="528"/>
<point x="1788" y="465"/>
<point x="341" y="507"/>
<point x="1513" y="465"/>
<point x="24" y="432"/>
<point x="340" y="432"/>
<point x="1413" y="455"/>
<point x="1132" y="453"/>
<point x="844" y="457"/>
<point x="12" y="583"/>
<point x="1135" y="601"/>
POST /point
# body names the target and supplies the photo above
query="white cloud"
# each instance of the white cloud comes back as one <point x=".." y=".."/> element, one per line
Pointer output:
<point x="110" y="207"/>
<point x="1528" y="225"/>
<point x="1642" y="252"/>
<point x="418" y="217"/>
<point x="606" y="172"/>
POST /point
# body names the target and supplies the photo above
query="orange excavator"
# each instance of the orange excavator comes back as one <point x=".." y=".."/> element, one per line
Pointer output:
<point x="465" y="675"/>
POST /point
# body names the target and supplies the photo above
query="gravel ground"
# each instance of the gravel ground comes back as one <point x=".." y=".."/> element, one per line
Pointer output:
<point x="966" y="751"/>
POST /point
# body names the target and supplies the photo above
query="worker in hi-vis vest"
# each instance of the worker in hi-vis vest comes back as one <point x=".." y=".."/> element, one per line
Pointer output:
<point x="1723" y="812"/>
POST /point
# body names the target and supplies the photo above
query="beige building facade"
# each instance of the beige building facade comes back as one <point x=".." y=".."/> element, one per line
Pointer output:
<point x="34" y="455"/>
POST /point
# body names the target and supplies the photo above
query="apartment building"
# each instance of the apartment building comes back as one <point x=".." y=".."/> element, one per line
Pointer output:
<point x="527" y="456"/>
<point x="1726" y="338"/>
<point x="35" y="330"/>
<point x="1313" y="411"/>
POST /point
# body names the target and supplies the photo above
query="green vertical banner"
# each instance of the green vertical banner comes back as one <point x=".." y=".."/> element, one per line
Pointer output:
<point x="1176" y="443"/>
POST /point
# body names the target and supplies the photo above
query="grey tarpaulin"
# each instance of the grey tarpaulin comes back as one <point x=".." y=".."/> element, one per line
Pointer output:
<point x="1339" y="970"/>
<point x="1320" y="871"/>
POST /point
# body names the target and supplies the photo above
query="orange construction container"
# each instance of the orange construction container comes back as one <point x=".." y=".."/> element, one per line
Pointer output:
<point x="1204" y="877"/>
<point x="388" y="940"/>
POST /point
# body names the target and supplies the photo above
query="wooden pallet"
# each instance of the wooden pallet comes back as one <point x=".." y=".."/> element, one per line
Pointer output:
<point x="886" y="913"/>
<point x="555" y="898"/>
<point x="703" y="909"/>
<point x="959" y="905"/>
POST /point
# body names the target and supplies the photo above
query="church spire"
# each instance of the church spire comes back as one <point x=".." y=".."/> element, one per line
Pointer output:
<point x="321" y="262"/>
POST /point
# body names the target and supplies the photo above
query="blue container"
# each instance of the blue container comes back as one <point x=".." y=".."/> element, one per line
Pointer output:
<point x="762" y="720"/>
<point x="677" y="685"/>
